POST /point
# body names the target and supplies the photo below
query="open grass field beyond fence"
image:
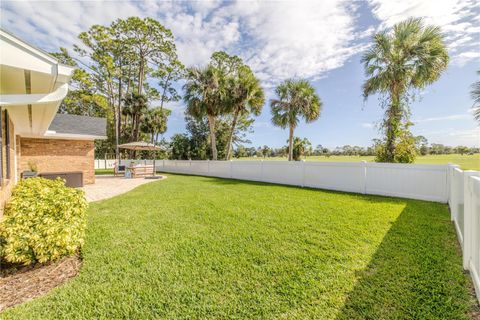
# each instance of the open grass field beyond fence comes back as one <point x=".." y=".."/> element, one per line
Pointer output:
<point x="208" y="248"/>
<point x="466" y="162"/>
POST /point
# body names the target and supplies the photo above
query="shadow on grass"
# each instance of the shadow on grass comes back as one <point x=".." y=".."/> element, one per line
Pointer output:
<point x="416" y="272"/>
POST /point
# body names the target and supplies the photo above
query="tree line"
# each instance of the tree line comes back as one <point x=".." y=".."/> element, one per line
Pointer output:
<point x="182" y="149"/>
<point x="303" y="149"/>
<point x="129" y="72"/>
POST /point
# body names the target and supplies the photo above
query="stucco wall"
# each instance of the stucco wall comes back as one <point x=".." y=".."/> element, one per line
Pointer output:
<point x="57" y="155"/>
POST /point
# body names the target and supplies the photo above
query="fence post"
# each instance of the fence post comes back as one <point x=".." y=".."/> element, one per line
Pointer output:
<point x="452" y="192"/>
<point x="468" y="218"/>
<point x="364" y="176"/>
<point x="261" y="170"/>
<point x="450" y="171"/>
<point x="208" y="166"/>
<point x="231" y="169"/>
<point x="303" y="173"/>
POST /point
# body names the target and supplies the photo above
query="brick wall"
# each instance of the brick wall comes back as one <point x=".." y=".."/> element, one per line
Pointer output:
<point x="57" y="155"/>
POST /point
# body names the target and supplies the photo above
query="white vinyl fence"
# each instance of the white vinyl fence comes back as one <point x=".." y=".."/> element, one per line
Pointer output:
<point x="440" y="183"/>
<point x="423" y="182"/>
<point x="464" y="201"/>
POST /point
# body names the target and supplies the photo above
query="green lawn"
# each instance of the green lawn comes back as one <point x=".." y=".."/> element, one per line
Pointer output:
<point x="466" y="162"/>
<point x="103" y="171"/>
<point x="207" y="248"/>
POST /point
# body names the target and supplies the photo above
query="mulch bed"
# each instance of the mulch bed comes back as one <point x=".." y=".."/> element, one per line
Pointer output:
<point x="21" y="284"/>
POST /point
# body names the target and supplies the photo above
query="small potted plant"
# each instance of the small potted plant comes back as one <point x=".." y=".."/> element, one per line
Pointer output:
<point x="33" y="170"/>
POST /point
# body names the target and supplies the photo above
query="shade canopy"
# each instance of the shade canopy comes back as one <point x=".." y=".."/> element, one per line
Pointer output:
<point x="140" y="145"/>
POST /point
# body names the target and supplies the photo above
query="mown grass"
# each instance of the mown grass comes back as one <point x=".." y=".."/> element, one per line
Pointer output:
<point x="206" y="248"/>
<point x="466" y="162"/>
<point x="103" y="171"/>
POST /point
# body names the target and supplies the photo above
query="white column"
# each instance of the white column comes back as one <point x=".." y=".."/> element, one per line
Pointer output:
<point x="15" y="165"/>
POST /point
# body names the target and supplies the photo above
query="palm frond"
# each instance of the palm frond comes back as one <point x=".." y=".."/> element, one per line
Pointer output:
<point x="296" y="98"/>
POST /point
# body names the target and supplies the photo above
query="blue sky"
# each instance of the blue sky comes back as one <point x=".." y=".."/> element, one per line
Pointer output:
<point x="318" y="40"/>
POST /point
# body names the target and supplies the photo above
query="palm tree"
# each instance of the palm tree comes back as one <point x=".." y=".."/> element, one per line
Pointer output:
<point x="296" y="98"/>
<point x="411" y="56"/>
<point x="475" y="93"/>
<point x="204" y="96"/>
<point x="137" y="104"/>
<point x="155" y="122"/>
<point x="126" y="114"/>
<point x="246" y="97"/>
<point x="300" y="147"/>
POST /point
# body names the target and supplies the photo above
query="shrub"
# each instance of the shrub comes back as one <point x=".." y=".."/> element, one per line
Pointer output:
<point x="405" y="151"/>
<point x="44" y="221"/>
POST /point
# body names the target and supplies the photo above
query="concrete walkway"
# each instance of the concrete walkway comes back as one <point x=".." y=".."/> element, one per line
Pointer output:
<point x="108" y="186"/>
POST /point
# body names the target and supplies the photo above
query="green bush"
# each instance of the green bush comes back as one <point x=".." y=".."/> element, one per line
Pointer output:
<point x="44" y="221"/>
<point x="405" y="151"/>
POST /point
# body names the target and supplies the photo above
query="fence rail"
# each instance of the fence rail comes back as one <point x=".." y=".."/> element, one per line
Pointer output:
<point x="440" y="183"/>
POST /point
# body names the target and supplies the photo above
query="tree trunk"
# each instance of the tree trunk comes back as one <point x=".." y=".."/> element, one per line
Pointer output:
<point x="118" y="126"/>
<point x="164" y="91"/>
<point x="135" y="131"/>
<point x="213" y="140"/>
<point x="290" y="144"/>
<point x="136" y="117"/>
<point x="230" y="138"/>
<point x="140" y="76"/>
<point x="394" y="117"/>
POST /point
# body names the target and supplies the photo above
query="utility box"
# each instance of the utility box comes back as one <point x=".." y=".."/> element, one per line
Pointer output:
<point x="72" y="179"/>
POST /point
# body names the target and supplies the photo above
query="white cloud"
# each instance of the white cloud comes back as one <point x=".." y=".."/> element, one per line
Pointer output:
<point x="296" y="39"/>
<point x="461" y="116"/>
<point x="465" y="57"/>
<point x="368" y="125"/>
<point x="453" y="137"/>
<point x="264" y="125"/>
<point x="279" y="39"/>
<point x="457" y="18"/>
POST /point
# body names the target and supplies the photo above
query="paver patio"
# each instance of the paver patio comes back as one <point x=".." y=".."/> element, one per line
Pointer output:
<point x="108" y="186"/>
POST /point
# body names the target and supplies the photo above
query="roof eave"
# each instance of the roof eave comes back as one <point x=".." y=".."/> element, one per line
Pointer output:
<point x="71" y="136"/>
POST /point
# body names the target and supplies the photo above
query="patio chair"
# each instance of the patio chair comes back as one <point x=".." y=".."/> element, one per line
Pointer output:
<point x="119" y="169"/>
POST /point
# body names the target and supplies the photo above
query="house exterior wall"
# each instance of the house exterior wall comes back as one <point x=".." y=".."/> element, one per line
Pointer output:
<point x="7" y="180"/>
<point x="58" y="155"/>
